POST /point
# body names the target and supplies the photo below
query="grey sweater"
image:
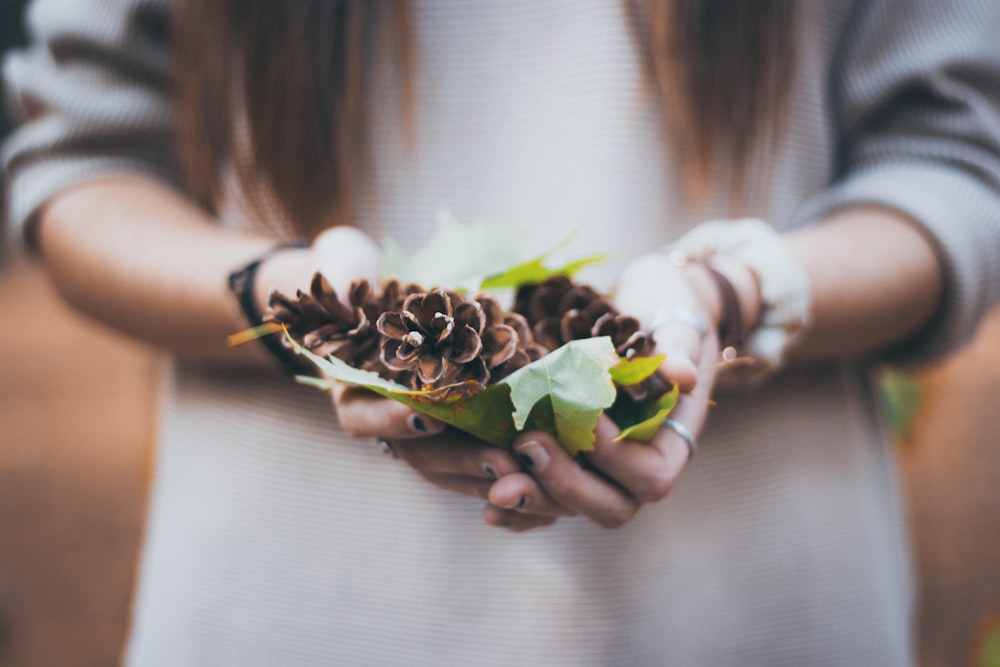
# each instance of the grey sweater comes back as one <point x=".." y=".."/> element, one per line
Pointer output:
<point x="275" y="539"/>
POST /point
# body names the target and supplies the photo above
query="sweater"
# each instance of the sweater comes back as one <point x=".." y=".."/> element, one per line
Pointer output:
<point x="274" y="539"/>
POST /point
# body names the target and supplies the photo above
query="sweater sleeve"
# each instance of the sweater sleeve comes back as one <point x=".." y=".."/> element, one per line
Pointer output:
<point x="915" y="89"/>
<point x="92" y="96"/>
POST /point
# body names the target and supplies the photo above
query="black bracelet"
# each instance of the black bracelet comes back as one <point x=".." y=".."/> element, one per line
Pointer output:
<point x="241" y="284"/>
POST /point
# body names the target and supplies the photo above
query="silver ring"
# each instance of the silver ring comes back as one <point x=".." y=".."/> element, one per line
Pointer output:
<point x="686" y="435"/>
<point x="386" y="447"/>
<point x="674" y="314"/>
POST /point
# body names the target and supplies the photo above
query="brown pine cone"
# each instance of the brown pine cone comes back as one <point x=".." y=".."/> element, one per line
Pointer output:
<point x="524" y="351"/>
<point x="559" y="311"/>
<point x="435" y="339"/>
<point x="445" y="340"/>
<point x="541" y="300"/>
<point x="631" y="341"/>
<point x="527" y="350"/>
<point x="321" y="323"/>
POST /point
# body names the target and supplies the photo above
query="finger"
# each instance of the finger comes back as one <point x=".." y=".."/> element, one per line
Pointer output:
<point x="646" y="472"/>
<point x="649" y="471"/>
<point x="515" y="522"/>
<point x="682" y="344"/>
<point x="521" y="492"/>
<point x="572" y="486"/>
<point x="691" y="411"/>
<point x="475" y="487"/>
<point x="365" y="414"/>
<point x="690" y="414"/>
<point x="454" y="453"/>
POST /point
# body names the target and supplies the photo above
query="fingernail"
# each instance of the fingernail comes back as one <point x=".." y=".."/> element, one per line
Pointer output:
<point x="521" y="502"/>
<point x="490" y="471"/>
<point x="532" y="454"/>
<point x="421" y="424"/>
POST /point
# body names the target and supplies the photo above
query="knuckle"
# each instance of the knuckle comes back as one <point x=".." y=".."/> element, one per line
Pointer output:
<point x="655" y="487"/>
<point x="349" y="425"/>
<point x="414" y="456"/>
<point x="561" y="488"/>
<point x="618" y="518"/>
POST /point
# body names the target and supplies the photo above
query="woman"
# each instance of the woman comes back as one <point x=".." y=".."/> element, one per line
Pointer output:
<point x="863" y="132"/>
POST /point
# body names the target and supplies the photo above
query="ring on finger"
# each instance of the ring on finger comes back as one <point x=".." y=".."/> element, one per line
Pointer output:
<point x="686" y="435"/>
<point x="675" y="314"/>
<point x="386" y="447"/>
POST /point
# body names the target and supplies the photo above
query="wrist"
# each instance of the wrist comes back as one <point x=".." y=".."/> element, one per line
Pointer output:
<point x="728" y="291"/>
<point x="287" y="270"/>
<point x="768" y="291"/>
<point x="244" y="284"/>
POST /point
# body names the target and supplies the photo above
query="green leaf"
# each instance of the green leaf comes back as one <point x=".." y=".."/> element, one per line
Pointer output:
<point x="394" y="262"/>
<point x="456" y="256"/>
<point x="987" y="650"/>
<point x="534" y="271"/>
<point x="563" y="394"/>
<point x="900" y="397"/>
<point x="486" y="415"/>
<point x="633" y="371"/>
<point x="651" y="416"/>
<point x="577" y="381"/>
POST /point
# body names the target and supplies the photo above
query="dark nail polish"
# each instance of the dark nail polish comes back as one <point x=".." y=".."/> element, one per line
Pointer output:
<point x="490" y="471"/>
<point x="418" y="424"/>
<point x="532" y="454"/>
<point x="521" y="503"/>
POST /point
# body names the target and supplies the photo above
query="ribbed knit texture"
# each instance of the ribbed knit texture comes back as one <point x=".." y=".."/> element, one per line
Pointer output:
<point x="275" y="540"/>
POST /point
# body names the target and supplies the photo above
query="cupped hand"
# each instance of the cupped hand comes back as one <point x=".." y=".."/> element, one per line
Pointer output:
<point x="443" y="456"/>
<point x="609" y="484"/>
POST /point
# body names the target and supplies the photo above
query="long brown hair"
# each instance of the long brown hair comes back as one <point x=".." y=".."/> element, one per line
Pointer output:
<point x="298" y="122"/>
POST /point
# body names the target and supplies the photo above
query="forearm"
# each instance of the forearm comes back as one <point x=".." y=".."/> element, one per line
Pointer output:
<point x="875" y="281"/>
<point x="139" y="257"/>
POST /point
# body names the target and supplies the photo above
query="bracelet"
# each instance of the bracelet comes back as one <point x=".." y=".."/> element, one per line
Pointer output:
<point x="241" y="284"/>
<point x="731" y="330"/>
<point x="785" y="294"/>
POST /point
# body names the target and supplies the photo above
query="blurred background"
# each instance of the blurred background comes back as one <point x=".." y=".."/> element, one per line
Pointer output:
<point x="76" y="437"/>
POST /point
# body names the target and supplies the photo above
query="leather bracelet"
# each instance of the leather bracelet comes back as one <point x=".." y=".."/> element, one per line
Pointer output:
<point x="731" y="329"/>
<point x="785" y="294"/>
<point x="241" y="284"/>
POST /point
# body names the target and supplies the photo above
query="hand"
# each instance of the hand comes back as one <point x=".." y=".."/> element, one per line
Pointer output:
<point x="609" y="484"/>
<point x="445" y="457"/>
<point x="342" y="254"/>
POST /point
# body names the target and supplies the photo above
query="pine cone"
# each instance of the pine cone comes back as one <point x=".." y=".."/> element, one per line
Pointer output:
<point x="503" y="327"/>
<point x="321" y="323"/>
<point x="435" y="339"/>
<point x="446" y="340"/>
<point x="626" y="335"/>
<point x="541" y="300"/>
<point x="527" y="349"/>
<point x="631" y="341"/>
<point x="560" y="311"/>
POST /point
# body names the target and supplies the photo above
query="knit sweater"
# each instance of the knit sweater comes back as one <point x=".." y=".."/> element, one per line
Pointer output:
<point x="274" y="539"/>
